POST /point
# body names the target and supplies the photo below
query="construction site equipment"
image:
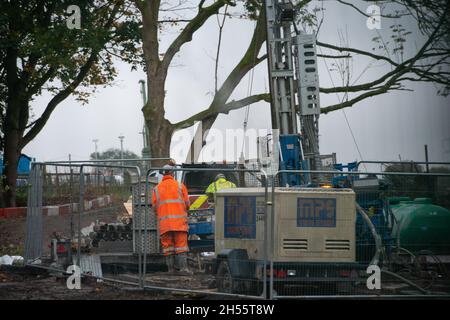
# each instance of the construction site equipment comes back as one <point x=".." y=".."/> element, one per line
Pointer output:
<point x="308" y="228"/>
<point x="260" y="237"/>
<point x="421" y="225"/>
<point x="293" y="71"/>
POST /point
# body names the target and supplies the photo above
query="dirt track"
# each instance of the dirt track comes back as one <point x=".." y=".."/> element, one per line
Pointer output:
<point x="16" y="286"/>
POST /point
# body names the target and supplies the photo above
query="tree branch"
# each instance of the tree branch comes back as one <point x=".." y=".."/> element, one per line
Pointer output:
<point x="357" y="51"/>
<point x="41" y="81"/>
<point x="327" y="56"/>
<point x="58" y="98"/>
<point x="385" y="88"/>
<point x="401" y="69"/>
<point x="63" y="94"/>
<point x="186" y="35"/>
<point x="368" y="16"/>
<point x="225" y="109"/>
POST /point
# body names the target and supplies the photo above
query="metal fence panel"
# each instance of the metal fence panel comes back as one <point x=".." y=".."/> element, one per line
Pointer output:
<point x="239" y="275"/>
<point x="289" y="243"/>
<point x="84" y="221"/>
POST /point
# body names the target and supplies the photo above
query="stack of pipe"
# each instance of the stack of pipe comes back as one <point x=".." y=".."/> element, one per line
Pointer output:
<point x="111" y="232"/>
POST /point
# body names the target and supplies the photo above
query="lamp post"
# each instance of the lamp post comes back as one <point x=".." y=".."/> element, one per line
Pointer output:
<point x="95" y="143"/>
<point x="96" y="158"/>
<point x="121" y="137"/>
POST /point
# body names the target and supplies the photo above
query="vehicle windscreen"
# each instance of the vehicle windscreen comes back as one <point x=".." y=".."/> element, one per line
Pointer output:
<point x="198" y="181"/>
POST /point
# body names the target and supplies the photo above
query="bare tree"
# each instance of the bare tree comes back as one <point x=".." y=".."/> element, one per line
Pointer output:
<point x="428" y="64"/>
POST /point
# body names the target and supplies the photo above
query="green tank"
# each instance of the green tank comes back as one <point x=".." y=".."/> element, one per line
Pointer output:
<point x="421" y="225"/>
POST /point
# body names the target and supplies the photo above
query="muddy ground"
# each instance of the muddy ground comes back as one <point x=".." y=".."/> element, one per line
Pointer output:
<point x="40" y="285"/>
<point x="32" y="283"/>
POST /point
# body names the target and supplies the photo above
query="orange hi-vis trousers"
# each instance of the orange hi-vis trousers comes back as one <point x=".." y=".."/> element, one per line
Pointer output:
<point x="174" y="242"/>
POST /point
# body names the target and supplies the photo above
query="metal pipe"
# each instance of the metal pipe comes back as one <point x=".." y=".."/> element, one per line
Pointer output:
<point x="104" y="160"/>
<point x="399" y="162"/>
<point x="193" y="169"/>
<point x="146" y="211"/>
<point x="368" y="173"/>
<point x="376" y="236"/>
<point x="234" y="295"/>
<point x="80" y="212"/>
<point x="369" y="297"/>
<point x="62" y="164"/>
<point x="140" y="231"/>
<point x="88" y="275"/>
<point x="272" y="231"/>
<point x="426" y="159"/>
<point x="266" y="253"/>
<point x="38" y="213"/>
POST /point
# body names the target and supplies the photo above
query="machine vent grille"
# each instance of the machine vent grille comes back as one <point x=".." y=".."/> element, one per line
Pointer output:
<point x="295" y="244"/>
<point x="337" y="244"/>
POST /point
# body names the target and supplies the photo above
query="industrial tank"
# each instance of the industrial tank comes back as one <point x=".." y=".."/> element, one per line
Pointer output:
<point x="421" y="225"/>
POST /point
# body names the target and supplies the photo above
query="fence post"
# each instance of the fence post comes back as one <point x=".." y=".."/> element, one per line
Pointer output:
<point x="80" y="212"/>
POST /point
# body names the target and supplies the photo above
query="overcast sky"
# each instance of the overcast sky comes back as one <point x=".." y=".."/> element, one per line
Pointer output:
<point x="384" y="127"/>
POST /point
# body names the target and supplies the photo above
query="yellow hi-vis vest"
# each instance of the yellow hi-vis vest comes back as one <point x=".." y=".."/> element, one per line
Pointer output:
<point x="217" y="185"/>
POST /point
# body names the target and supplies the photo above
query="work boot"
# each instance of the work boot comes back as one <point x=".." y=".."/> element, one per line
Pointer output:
<point x="181" y="264"/>
<point x="170" y="261"/>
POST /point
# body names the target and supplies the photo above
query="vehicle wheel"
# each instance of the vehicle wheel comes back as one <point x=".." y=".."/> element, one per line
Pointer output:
<point x="258" y="291"/>
<point x="224" y="279"/>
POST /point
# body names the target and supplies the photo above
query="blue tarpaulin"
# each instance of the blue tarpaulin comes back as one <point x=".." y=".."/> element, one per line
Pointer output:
<point x="23" y="167"/>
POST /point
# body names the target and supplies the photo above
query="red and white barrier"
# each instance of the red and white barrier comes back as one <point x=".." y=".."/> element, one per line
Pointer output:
<point x="58" y="210"/>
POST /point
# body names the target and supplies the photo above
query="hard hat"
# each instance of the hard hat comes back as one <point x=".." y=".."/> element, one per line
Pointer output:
<point x="219" y="176"/>
<point x="167" y="169"/>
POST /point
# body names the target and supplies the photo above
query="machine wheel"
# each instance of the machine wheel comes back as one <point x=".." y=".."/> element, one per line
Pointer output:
<point x="224" y="279"/>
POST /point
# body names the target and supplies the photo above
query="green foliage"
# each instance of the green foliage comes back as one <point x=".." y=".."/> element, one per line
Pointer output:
<point x="40" y="53"/>
<point x="414" y="186"/>
<point x="113" y="153"/>
<point x="50" y="57"/>
<point x="22" y="196"/>
<point x="403" y="182"/>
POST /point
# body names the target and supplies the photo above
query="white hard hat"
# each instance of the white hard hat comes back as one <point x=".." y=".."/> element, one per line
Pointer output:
<point x="168" y="169"/>
<point x="219" y="176"/>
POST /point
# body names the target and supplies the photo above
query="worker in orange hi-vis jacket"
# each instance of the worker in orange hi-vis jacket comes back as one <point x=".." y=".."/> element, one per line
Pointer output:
<point x="171" y="202"/>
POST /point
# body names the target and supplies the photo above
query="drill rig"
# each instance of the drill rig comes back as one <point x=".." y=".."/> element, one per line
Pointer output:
<point x="294" y="88"/>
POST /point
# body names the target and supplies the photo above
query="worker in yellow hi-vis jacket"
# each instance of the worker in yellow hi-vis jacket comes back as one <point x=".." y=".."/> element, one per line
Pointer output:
<point x="220" y="183"/>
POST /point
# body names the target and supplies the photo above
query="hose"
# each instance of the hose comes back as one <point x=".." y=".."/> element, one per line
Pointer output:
<point x="378" y="245"/>
<point x="412" y="284"/>
<point x="376" y="258"/>
<point x="416" y="262"/>
<point x="438" y="261"/>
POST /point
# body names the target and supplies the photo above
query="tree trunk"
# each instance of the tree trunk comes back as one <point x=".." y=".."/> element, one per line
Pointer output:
<point x="199" y="139"/>
<point x="160" y="130"/>
<point x="10" y="161"/>
<point x="16" y="118"/>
